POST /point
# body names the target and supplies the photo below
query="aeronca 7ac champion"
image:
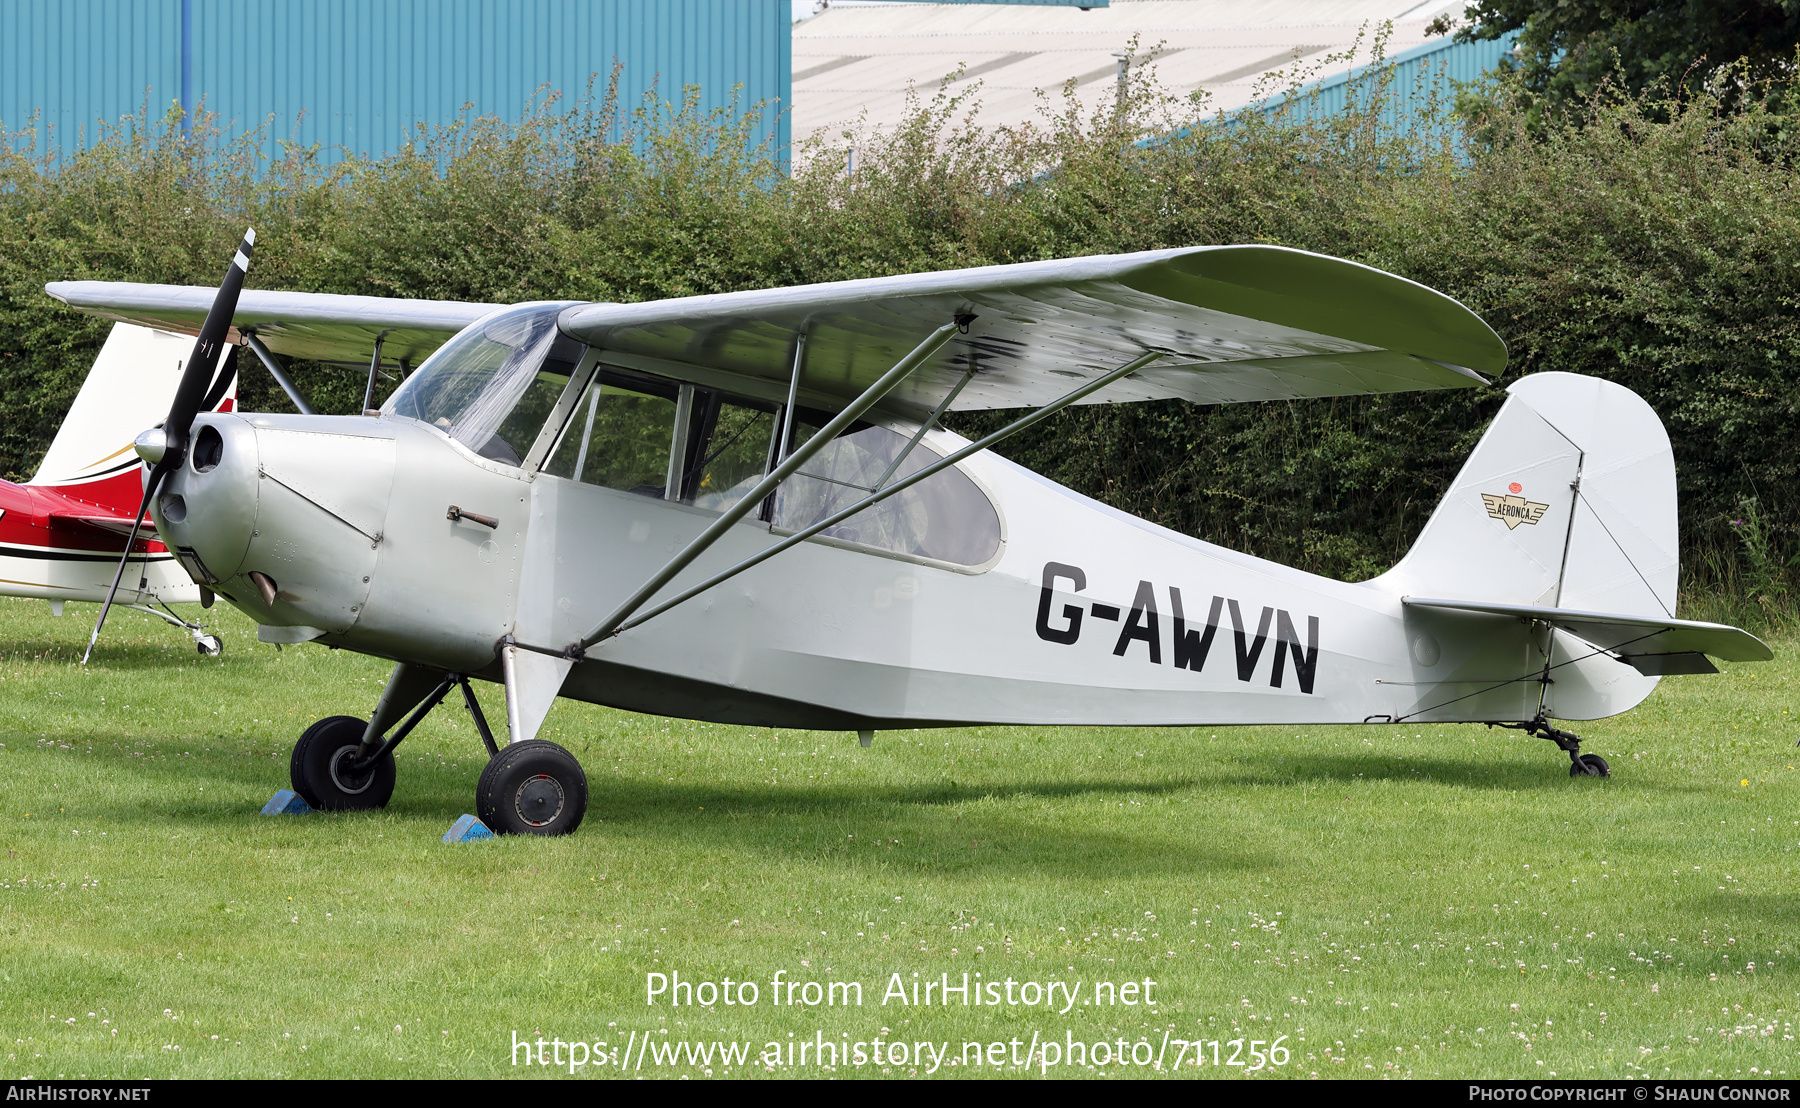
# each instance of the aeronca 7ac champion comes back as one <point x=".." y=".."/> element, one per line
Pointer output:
<point x="742" y="508"/>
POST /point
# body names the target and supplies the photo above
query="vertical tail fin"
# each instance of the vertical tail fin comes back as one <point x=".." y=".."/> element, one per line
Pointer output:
<point x="1568" y="501"/>
<point x="130" y="387"/>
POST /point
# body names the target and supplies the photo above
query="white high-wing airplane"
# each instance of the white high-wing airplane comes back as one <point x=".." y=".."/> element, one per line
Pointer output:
<point x="740" y="508"/>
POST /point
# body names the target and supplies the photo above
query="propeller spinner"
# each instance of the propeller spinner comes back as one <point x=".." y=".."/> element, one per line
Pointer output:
<point x="165" y="446"/>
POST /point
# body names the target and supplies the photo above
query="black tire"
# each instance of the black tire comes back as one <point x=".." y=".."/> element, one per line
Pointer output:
<point x="532" y="788"/>
<point x="320" y="773"/>
<point x="1589" y="765"/>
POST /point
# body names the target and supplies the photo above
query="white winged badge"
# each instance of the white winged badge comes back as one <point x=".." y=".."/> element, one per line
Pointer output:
<point x="741" y="508"/>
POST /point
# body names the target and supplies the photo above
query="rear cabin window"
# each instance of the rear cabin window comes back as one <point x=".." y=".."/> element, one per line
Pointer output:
<point x="946" y="517"/>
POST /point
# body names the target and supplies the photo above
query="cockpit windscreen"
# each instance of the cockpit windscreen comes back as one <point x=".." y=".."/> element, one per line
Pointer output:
<point x="491" y="386"/>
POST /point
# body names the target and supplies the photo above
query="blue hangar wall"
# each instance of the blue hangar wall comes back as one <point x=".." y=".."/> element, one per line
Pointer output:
<point x="364" y="72"/>
<point x="1422" y="79"/>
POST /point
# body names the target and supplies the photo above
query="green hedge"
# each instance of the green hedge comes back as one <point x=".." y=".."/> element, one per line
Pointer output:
<point x="1650" y="242"/>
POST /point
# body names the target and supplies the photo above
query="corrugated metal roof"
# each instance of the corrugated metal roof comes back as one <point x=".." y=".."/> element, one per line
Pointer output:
<point x="858" y="62"/>
<point x="359" y="74"/>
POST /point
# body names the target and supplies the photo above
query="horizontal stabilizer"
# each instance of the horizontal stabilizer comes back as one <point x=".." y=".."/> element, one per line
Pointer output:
<point x="1650" y="645"/>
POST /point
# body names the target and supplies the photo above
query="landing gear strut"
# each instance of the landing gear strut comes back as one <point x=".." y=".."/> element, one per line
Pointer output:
<point x="205" y="643"/>
<point x="528" y="788"/>
<point x="1580" y="765"/>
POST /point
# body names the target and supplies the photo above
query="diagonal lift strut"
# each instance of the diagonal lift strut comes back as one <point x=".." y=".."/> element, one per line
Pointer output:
<point x="373" y="747"/>
<point x="753" y="499"/>
<point x="901" y="485"/>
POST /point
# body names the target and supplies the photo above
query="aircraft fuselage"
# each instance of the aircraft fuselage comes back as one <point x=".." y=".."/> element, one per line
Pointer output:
<point x="1084" y="616"/>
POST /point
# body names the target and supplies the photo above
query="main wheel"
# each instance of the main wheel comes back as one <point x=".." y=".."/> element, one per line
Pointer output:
<point x="532" y="788"/>
<point x="321" y="772"/>
<point x="1589" y="765"/>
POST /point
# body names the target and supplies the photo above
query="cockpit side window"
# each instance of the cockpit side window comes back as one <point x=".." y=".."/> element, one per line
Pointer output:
<point x="619" y="436"/>
<point x="624" y="429"/>
<point x="731" y="451"/>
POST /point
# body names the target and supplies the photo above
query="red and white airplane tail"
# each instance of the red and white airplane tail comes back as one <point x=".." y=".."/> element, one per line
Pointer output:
<point x="62" y="532"/>
<point x="130" y="387"/>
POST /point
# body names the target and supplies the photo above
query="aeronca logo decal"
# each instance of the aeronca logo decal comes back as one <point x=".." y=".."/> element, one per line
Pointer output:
<point x="1191" y="642"/>
<point x="1512" y="509"/>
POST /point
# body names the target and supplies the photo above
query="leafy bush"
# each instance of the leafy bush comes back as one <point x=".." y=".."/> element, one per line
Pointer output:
<point x="1645" y="240"/>
<point x="1568" y="49"/>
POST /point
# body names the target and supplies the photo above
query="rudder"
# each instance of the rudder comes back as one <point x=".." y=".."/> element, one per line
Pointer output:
<point x="1567" y="502"/>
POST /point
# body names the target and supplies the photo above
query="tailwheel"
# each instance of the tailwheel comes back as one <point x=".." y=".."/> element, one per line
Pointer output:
<point x="325" y="773"/>
<point x="1580" y="765"/>
<point x="1589" y="765"/>
<point x="532" y="788"/>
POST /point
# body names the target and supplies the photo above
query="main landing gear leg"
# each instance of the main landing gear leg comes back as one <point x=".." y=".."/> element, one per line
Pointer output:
<point x="339" y="766"/>
<point x="528" y="788"/>
<point x="1580" y="765"/>
<point x="481" y="723"/>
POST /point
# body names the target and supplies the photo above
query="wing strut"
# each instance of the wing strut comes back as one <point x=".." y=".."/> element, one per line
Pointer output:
<point x="374" y="370"/>
<point x="929" y="423"/>
<point x="753" y="499"/>
<point x="787" y="413"/>
<point x="907" y="482"/>
<point x="267" y="357"/>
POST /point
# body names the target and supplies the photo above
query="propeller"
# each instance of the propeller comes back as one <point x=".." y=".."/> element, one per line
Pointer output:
<point x="166" y="447"/>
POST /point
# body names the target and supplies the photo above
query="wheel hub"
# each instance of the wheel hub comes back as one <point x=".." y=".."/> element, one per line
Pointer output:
<point x="344" y="774"/>
<point x="539" y="800"/>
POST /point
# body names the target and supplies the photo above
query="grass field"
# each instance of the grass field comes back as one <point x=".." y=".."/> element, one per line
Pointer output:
<point x="1408" y="901"/>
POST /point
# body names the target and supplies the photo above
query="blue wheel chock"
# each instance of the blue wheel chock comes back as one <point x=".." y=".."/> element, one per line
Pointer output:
<point x="286" y="802"/>
<point x="467" y="829"/>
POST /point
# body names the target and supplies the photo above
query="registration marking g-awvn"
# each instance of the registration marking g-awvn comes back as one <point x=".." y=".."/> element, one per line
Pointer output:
<point x="1192" y="643"/>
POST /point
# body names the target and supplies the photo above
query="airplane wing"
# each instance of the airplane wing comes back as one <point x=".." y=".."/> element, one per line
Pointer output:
<point x="315" y="326"/>
<point x="1237" y="323"/>
<point x="1651" y="646"/>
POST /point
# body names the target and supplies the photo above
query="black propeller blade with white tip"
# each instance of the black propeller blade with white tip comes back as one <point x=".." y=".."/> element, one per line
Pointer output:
<point x="198" y="384"/>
